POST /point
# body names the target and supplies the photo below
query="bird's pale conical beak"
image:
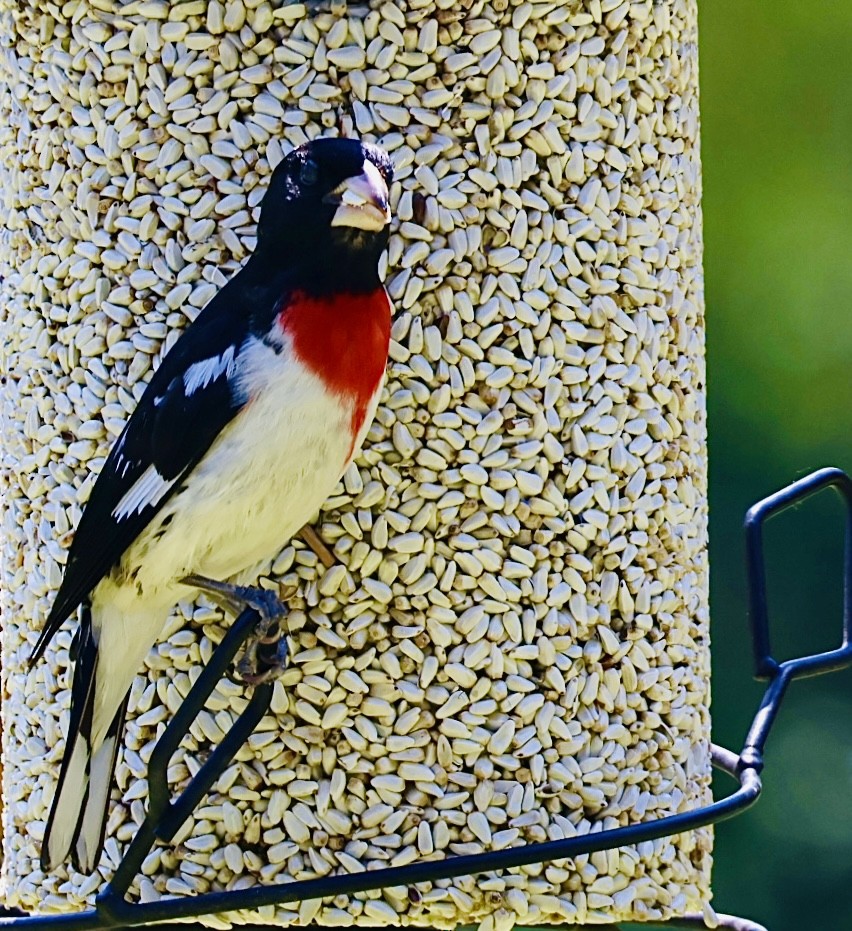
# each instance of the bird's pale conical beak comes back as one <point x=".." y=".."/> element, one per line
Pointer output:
<point x="362" y="201"/>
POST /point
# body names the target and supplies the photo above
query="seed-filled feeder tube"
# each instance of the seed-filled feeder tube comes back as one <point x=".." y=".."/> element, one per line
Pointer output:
<point x="510" y="643"/>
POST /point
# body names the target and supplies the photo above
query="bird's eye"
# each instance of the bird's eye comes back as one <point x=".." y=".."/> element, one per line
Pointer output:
<point x="309" y="173"/>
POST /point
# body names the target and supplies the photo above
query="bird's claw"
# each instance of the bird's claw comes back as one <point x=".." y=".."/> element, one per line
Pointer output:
<point x="265" y="653"/>
<point x="267" y="604"/>
<point x="263" y="660"/>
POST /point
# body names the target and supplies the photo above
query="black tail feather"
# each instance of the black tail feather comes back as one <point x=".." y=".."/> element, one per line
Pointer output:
<point x="63" y="821"/>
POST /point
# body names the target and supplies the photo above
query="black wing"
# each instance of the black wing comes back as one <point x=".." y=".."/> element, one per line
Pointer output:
<point x="186" y="405"/>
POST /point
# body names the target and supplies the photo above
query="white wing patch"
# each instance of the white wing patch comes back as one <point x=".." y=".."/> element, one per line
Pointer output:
<point x="200" y="374"/>
<point x="147" y="490"/>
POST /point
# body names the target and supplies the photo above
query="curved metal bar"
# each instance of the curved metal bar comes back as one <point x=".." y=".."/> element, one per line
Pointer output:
<point x="164" y="818"/>
<point x="112" y="909"/>
<point x="428" y="871"/>
<point x="781" y="674"/>
<point x="766" y="666"/>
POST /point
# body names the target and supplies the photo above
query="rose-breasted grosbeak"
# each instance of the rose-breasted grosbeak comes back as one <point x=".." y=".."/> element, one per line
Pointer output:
<point x="243" y="431"/>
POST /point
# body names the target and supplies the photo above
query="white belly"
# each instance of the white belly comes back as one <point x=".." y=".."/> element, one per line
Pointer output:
<point x="253" y="491"/>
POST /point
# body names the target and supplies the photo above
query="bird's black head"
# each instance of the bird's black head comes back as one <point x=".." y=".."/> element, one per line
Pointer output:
<point x="326" y="214"/>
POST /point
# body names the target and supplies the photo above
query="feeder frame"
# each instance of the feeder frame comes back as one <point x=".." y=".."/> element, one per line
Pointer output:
<point x="164" y="817"/>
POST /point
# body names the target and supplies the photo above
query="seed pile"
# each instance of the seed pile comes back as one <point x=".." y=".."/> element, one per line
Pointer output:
<point x="513" y="644"/>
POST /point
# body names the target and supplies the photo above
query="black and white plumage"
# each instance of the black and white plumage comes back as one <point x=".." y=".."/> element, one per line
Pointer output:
<point x="243" y="431"/>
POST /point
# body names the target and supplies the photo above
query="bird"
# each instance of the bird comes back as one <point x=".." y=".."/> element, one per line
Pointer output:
<point x="243" y="431"/>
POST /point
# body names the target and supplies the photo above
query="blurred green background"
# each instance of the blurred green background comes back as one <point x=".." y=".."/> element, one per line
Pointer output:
<point x="776" y="100"/>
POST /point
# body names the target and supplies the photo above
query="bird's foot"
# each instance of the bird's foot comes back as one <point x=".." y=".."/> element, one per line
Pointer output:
<point x="265" y="658"/>
<point x="265" y="653"/>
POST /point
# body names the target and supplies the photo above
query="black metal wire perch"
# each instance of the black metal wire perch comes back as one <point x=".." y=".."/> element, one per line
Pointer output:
<point x="165" y="817"/>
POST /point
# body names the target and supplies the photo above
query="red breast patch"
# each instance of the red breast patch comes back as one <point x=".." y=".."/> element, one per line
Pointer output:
<point x="343" y="339"/>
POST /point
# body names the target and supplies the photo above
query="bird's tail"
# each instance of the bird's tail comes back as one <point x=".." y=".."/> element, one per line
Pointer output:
<point x="78" y="816"/>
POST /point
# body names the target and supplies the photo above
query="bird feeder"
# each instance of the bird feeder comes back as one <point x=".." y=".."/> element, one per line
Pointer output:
<point x="504" y="640"/>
